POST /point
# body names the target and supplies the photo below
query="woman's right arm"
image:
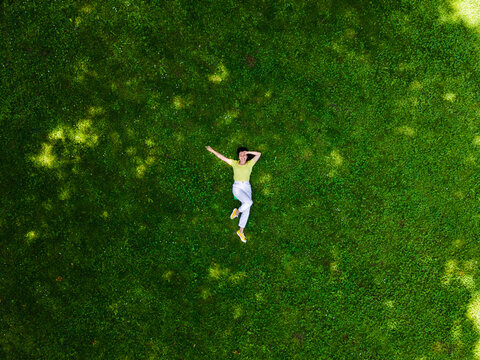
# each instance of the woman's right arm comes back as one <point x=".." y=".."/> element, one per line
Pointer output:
<point x="220" y="156"/>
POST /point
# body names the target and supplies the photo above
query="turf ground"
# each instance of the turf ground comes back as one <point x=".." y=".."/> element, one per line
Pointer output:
<point x="116" y="241"/>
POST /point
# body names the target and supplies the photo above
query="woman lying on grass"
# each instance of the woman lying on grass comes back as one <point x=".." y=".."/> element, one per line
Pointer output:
<point x="242" y="190"/>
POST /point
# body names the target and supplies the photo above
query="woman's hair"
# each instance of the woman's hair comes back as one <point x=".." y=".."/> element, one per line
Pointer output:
<point x="240" y="149"/>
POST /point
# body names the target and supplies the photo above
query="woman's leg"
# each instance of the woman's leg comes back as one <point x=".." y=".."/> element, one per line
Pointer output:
<point x="244" y="194"/>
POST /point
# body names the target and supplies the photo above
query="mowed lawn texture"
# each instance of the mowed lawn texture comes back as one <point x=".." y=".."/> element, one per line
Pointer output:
<point x="116" y="241"/>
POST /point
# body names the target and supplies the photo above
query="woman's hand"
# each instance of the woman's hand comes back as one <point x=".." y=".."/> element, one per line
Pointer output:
<point x="209" y="148"/>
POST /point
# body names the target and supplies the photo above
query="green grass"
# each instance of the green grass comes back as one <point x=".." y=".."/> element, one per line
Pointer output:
<point x="116" y="241"/>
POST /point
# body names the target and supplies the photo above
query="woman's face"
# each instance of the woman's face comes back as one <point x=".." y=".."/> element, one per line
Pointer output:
<point x="242" y="155"/>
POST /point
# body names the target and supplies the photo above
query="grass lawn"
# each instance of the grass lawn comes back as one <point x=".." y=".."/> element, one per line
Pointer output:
<point x="116" y="241"/>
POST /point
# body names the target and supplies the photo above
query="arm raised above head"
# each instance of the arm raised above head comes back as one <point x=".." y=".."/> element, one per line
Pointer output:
<point x="257" y="155"/>
<point x="220" y="156"/>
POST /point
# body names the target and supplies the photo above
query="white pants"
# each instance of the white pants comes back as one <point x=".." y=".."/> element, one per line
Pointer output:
<point x="242" y="190"/>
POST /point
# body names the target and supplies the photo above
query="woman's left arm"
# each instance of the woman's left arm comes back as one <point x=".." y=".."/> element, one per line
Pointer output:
<point x="257" y="155"/>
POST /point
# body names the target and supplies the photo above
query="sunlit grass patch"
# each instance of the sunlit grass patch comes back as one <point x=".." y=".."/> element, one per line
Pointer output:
<point x="335" y="158"/>
<point x="392" y="321"/>
<point x="463" y="273"/>
<point x="95" y="110"/>
<point x="267" y="191"/>
<point x="392" y="324"/>
<point x="457" y="330"/>
<point x="238" y="277"/>
<point x="449" y="96"/>
<point x="458" y="243"/>
<point x="177" y="102"/>
<point x="150" y="160"/>
<point x="131" y="150"/>
<point x="168" y="275"/>
<point x="57" y="134"/>
<point x="408" y="102"/>
<point x="180" y="102"/>
<point x="473" y="314"/>
<point x="405" y="130"/>
<point x="470" y="159"/>
<point x="78" y="21"/>
<point x="467" y="11"/>
<point x="334" y="268"/>
<point x="260" y="296"/>
<point x="416" y="85"/>
<point x="335" y="161"/>
<point x="476" y="140"/>
<point x="467" y="280"/>
<point x="216" y="272"/>
<point x="149" y="142"/>
<point x="142" y="164"/>
<point x="141" y="170"/>
<point x="264" y="178"/>
<point x="205" y="294"/>
<point x="458" y="194"/>
<point x="86" y="9"/>
<point x="237" y="311"/>
<point x="83" y="133"/>
<point x="46" y="157"/>
<point x="451" y="268"/>
<point x="30" y="237"/>
<point x="389" y="303"/>
<point x="220" y="75"/>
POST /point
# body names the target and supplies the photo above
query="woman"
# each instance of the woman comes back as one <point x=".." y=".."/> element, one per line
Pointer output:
<point x="242" y="190"/>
